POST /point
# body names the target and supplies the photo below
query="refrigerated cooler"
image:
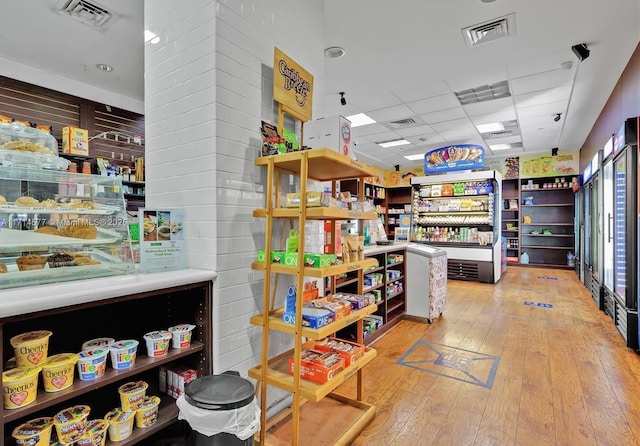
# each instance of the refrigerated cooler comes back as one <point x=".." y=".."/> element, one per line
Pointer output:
<point x="426" y="284"/>
<point x="592" y="267"/>
<point x="461" y="214"/>
<point x="620" y="263"/>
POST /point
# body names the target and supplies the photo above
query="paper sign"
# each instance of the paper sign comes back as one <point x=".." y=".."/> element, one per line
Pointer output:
<point x="162" y="241"/>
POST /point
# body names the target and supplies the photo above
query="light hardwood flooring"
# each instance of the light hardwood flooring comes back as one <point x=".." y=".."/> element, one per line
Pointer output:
<point x="563" y="375"/>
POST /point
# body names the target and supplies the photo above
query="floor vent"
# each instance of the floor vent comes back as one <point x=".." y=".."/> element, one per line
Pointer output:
<point x="490" y="31"/>
<point x="89" y="13"/>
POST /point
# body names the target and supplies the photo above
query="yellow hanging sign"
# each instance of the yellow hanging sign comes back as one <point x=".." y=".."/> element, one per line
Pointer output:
<point x="292" y="86"/>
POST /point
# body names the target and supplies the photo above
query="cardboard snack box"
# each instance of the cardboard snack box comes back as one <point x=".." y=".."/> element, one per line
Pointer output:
<point x="349" y="351"/>
<point x="318" y="366"/>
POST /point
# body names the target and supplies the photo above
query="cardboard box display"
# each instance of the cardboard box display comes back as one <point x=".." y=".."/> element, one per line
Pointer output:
<point x="340" y="308"/>
<point x="314" y="199"/>
<point x="319" y="260"/>
<point x="311" y="317"/>
<point x="333" y="133"/>
<point x="317" y="366"/>
<point x="357" y="301"/>
<point x="349" y="351"/>
<point x="75" y="141"/>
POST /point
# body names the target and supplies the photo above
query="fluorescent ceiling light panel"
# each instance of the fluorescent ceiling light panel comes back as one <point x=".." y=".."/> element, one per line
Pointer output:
<point x="493" y="127"/>
<point x="496" y="147"/>
<point x="394" y="143"/>
<point x="415" y="157"/>
<point x="360" y="119"/>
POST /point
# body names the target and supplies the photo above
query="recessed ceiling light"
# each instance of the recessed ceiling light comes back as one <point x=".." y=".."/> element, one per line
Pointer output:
<point x="416" y="157"/>
<point x="496" y="147"/>
<point x="104" y="67"/>
<point x="493" y="127"/>
<point x="334" y="52"/>
<point x="394" y="143"/>
<point x="360" y="119"/>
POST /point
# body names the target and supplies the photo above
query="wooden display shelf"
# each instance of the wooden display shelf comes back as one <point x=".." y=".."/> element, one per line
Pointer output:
<point x="278" y="375"/>
<point x="79" y="387"/>
<point x="543" y="205"/>
<point x="316" y="272"/>
<point x="454" y="212"/>
<point x="336" y="420"/>
<point x="323" y="164"/>
<point x="276" y="323"/>
<point x="318" y="213"/>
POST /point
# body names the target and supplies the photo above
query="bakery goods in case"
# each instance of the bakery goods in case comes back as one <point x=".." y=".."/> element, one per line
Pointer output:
<point x="51" y="230"/>
<point x="26" y="201"/>
<point x="3" y="200"/>
<point x="3" y="267"/>
<point x="83" y="258"/>
<point x="31" y="261"/>
<point x="60" y="259"/>
<point x="80" y="230"/>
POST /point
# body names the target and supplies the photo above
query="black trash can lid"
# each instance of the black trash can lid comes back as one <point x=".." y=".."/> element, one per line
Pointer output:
<point x="219" y="392"/>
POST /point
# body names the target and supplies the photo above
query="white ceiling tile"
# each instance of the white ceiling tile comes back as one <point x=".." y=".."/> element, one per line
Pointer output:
<point x="453" y="124"/>
<point x="432" y="104"/>
<point x="556" y="94"/>
<point x="448" y="114"/>
<point x="548" y="109"/>
<point x="370" y="129"/>
<point x="486" y="107"/>
<point x="413" y="91"/>
<point x="502" y="116"/>
<point x="413" y="131"/>
<point x="391" y="113"/>
<point x="542" y="81"/>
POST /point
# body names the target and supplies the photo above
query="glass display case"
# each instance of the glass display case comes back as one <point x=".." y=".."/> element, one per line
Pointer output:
<point x="59" y="226"/>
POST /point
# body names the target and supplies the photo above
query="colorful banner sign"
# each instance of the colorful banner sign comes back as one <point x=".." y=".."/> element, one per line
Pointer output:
<point x="454" y="158"/>
<point x="292" y="86"/>
<point x="563" y="164"/>
<point x="509" y="168"/>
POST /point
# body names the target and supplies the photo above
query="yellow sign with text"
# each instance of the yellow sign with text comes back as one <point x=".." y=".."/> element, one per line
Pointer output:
<point x="292" y="86"/>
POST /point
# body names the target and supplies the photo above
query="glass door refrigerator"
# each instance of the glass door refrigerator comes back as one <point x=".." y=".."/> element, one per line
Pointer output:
<point x="592" y="229"/>
<point x="620" y="232"/>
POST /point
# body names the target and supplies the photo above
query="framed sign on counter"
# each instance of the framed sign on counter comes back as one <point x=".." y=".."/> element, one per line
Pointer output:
<point x="162" y="245"/>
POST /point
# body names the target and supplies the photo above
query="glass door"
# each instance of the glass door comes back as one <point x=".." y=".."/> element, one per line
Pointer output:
<point x="596" y="227"/>
<point x="587" y="224"/>
<point x="608" y="228"/>
<point x="620" y="228"/>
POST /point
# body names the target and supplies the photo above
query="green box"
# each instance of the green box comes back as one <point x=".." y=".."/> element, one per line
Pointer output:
<point x="261" y="257"/>
<point x="277" y="257"/>
<point x="291" y="258"/>
<point x="319" y="260"/>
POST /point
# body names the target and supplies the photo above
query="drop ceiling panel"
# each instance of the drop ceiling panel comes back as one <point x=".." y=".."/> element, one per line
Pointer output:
<point x="434" y="104"/>
<point x="556" y="94"/>
<point x="414" y="131"/>
<point x="542" y="81"/>
<point x="486" y="107"/>
<point x="464" y="124"/>
<point x="369" y="129"/>
<point x="548" y="109"/>
<point x="410" y="91"/>
<point x="449" y="114"/>
<point x="391" y="113"/>
<point x="502" y="116"/>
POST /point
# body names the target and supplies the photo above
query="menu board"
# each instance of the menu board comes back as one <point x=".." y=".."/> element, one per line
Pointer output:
<point x="162" y="241"/>
<point x="563" y="164"/>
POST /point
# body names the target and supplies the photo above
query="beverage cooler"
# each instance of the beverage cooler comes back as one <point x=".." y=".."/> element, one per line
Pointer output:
<point x="592" y="223"/>
<point x="460" y="213"/>
<point x="620" y="226"/>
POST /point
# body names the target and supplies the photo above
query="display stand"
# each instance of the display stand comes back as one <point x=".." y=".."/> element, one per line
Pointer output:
<point x="319" y="165"/>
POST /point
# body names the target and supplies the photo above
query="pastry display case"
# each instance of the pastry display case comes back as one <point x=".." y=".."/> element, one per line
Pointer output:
<point x="59" y="226"/>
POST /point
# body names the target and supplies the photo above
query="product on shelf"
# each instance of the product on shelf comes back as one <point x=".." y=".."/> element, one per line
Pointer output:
<point x="120" y="424"/>
<point x="58" y="371"/>
<point x="98" y="342"/>
<point x="350" y="352"/>
<point x="123" y="353"/>
<point x="157" y="342"/>
<point x="92" y="362"/>
<point x="181" y="335"/>
<point x="31" y="262"/>
<point x="36" y="432"/>
<point x="94" y="433"/>
<point x="318" y="366"/>
<point x="147" y="411"/>
<point x="70" y="423"/>
<point x="132" y="394"/>
<point x="20" y="386"/>
<point x="31" y="348"/>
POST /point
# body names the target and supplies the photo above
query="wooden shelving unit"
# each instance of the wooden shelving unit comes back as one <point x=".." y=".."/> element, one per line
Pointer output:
<point x="511" y="219"/>
<point x="319" y="165"/>
<point x="549" y="236"/>
<point x="73" y="325"/>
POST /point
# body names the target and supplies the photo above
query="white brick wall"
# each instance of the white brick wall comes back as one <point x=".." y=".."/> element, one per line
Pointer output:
<point x="208" y="86"/>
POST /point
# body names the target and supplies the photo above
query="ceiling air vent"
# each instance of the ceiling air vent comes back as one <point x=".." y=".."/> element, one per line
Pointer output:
<point x="89" y="13"/>
<point x="484" y="93"/>
<point x="404" y="123"/>
<point x="490" y="31"/>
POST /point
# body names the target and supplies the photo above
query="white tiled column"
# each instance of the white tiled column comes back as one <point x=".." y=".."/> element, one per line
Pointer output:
<point x="206" y="90"/>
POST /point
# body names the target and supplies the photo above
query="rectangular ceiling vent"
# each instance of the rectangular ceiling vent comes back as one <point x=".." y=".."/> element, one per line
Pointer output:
<point x="89" y="13"/>
<point x="484" y="93"/>
<point x="490" y="31"/>
<point x="404" y="123"/>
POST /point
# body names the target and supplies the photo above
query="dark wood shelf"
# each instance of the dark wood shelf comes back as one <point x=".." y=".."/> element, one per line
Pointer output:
<point x="548" y="205"/>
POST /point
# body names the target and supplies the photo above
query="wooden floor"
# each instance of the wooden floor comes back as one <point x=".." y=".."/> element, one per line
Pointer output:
<point x="564" y="375"/>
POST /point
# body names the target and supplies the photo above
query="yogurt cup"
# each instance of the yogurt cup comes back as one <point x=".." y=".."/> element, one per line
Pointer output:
<point x="36" y="432"/>
<point x="20" y="386"/>
<point x="92" y="363"/>
<point x="31" y="348"/>
<point x="94" y="434"/>
<point x="147" y="411"/>
<point x="181" y="335"/>
<point x="120" y="424"/>
<point x="123" y="353"/>
<point x="70" y="423"/>
<point x="157" y="343"/>
<point x="132" y="395"/>
<point x="98" y="342"/>
<point x="58" y="371"/>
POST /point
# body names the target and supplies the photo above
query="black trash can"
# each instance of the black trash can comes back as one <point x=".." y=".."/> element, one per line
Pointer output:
<point x="224" y="403"/>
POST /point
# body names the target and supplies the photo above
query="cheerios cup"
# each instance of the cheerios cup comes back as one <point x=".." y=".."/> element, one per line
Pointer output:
<point x="181" y="335"/>
<point x="36" y="432"/>
<point x="92" y="362"/>
<point x="70" y="423"/>
<point x="147" y="411"/>
<point x="94" y="434"/>
<point x="120" y="424"/>
<point x="132" y="394"/>
<point x="20" y="386"/>
<point x="58" y="371"/>
<point x="31" y="348"/>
